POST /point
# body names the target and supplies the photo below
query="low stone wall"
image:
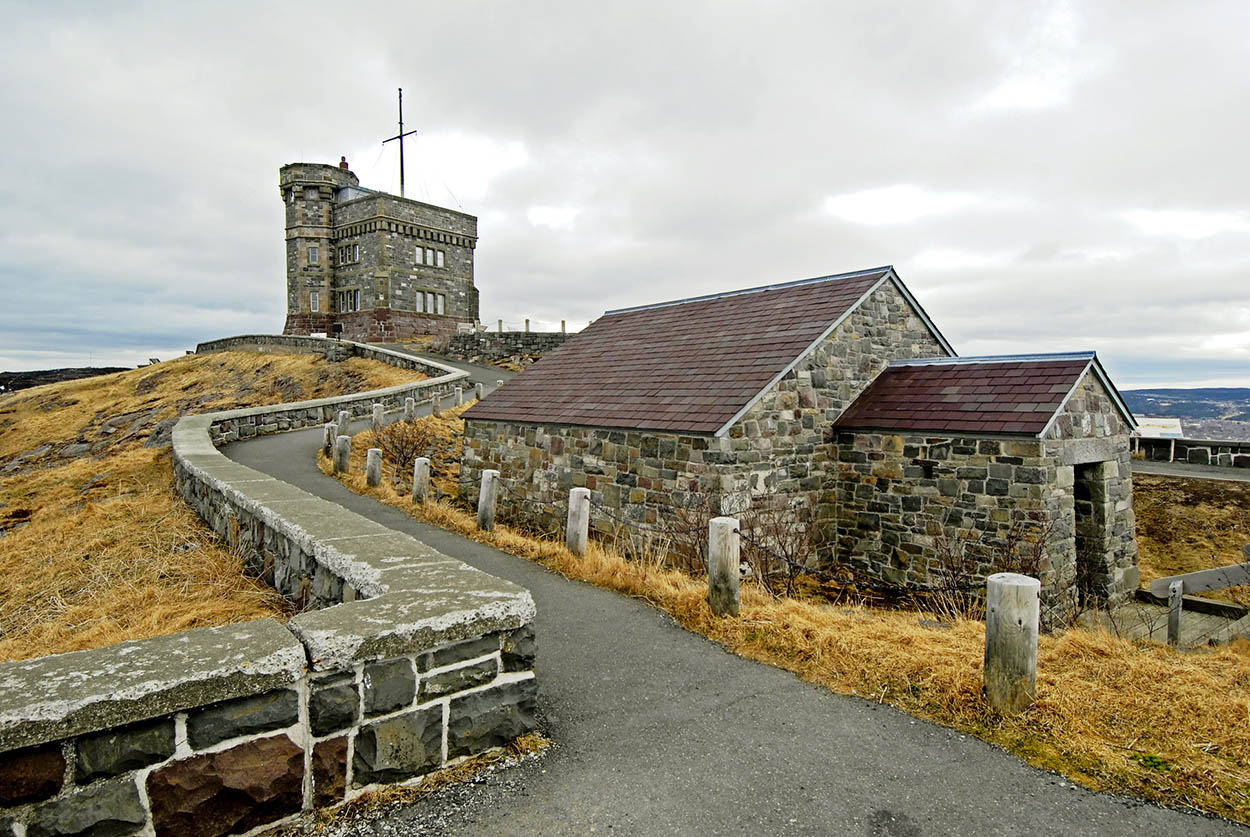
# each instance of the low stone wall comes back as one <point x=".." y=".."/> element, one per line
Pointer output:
<point x="404" y="661"/>
<point x="496" y="345"/>
<point x="1224" y="454"/>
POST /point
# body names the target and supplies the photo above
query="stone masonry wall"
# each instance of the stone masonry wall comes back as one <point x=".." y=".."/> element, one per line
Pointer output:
<point x="486" y="346"/>
<point x="408" y="662"/>
<point x="1223" y="453"/>
<point x="911" y="506"/>
<point x="776" y="449"/>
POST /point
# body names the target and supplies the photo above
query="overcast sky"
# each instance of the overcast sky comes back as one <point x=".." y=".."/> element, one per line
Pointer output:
<point x="1044" y="176"/>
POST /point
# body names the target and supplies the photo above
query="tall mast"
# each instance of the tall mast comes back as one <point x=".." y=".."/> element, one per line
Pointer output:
<point x="400" y="136"/>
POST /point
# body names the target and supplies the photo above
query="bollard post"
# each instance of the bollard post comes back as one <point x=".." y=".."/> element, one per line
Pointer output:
<point x="562" y="331"/>
<point x="486" y="500"/>
<point x="527" y="325"/>
<point x="479" y="389"/>
<point x="501" y="326"/>
<point x="345" y="423"/>
<point x="327" y="439"/>
<point x="722" y="566"/>
<point x="410" y="409"/>
<point x="459" y="396"/>
<point x="420" y="479"/>
<point x="378" y="417"/>
<point x="1176" y="601"/>
<point x="435" y="404"/>
<point x="342" y="454"/>
<point x="373" y="467"/>
<point x="499" y="383"/>
<point x="577" y="530"/>
<point x="1012" y="604"/>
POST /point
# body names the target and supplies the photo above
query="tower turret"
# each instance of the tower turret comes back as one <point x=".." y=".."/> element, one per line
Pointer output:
<point x="309" y="191"/>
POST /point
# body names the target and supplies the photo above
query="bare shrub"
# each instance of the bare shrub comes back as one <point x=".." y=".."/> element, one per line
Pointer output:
<point x="778" y="544"/>
<point x="402" y="442"/>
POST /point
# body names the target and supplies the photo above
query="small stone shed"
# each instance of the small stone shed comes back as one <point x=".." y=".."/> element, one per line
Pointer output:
<point x="962" y="463"/>
<point x="734" y="400"/>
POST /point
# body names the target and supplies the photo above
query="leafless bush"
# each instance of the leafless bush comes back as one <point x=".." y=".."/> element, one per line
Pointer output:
<point x="402" y="442"/>
<point x="778" y="543"/>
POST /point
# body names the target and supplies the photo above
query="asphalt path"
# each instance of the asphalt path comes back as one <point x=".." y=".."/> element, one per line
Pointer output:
<point x="660" y="731"/>
<point x="1184" y="469"/>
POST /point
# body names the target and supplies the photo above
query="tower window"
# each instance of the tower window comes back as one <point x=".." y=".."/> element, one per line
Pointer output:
<point x="312" y="255"/>
<point x="355" y="252"/>
<point x="314" y="302"/>
<point x="439" y="260"/>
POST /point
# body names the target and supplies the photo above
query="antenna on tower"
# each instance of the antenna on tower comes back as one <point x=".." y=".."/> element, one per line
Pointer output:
<point x="400" y="136"/>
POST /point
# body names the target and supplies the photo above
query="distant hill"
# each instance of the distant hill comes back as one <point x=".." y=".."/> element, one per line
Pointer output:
<point x="1205" y="412"/>
<point x="13" y="381"/>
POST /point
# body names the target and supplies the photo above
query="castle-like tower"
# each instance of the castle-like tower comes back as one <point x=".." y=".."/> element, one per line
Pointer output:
<point x="371" y="266"/>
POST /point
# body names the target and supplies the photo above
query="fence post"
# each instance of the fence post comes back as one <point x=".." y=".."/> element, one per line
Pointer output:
<point x="345" y="423"/>
<point x="1012" y="605"/>
<point x="1176" y="598"/>
<point x="342" y="454"/>
<point x="499" y="383"/>
<point x="479" y="389"/>
<point x="459" y="396"/>
<point x="562" y="327"/>
<point x="420" y="479"/>
<point x="722" y="566"/>
<point x="501" y="326"/>
<point x="577" y="530"/>
<point x="436" y="404"/>
<point x="486" y="498"/>
<point x="373" y="467"/>
<point x="377" y="417"/>
<point x="527" y="325"/>
<point x="327" y="439"/>
<point x="410" y="409"/>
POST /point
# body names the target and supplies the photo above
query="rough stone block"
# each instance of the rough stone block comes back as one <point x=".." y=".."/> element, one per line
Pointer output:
<point x="32" y="774"/>
<point x="333" y="704"/>
<point x="399" y="748"/>
<point x="491" y="718"/>
<point x="519" y="649"/>
<point x="458" y="679"/>
<point x="460" y="652"/>
<point x="115" y="751"/>
<point x="245" y="716"/>
<point x="228" y="792"/>
<point x="104" y="809"/>
<point x="329" y="770"/>
<point x="389" y="686"/>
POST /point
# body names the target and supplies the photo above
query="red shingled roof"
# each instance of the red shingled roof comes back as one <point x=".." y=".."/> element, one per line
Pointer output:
<point x="1016" y="395"/>
<point x="686" y="366"/>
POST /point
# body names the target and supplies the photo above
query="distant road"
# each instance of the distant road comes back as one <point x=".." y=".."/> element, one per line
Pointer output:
<point x="1184" y="469"/>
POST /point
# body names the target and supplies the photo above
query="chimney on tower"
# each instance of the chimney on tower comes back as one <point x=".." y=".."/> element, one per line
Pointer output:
<point x="343" y="163"/>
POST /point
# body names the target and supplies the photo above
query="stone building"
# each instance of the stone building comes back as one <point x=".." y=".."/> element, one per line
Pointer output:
<point x="779" y="393"/>
<point x="371" y="266"/>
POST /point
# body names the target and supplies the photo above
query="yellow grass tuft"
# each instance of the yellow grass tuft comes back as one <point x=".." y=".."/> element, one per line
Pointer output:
<point x="98" y="549"/>
<point x="1115" y="715"/>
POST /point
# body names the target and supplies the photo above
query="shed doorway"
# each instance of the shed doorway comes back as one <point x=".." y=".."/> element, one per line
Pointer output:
<point x="1091" y="530"/>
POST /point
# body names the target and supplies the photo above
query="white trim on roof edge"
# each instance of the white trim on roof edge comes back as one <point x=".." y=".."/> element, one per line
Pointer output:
<point x="890" y="276"/>
<point x="952" y="361"/>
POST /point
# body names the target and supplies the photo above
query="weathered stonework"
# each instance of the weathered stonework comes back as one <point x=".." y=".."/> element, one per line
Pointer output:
<point x="486" y="346"/>
<point x="371" y="275"/>
<point x="775" y="449"/>
<point x="911" y="508"/>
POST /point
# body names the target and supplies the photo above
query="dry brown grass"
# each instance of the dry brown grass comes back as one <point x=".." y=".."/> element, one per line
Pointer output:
<point x="1185" y="525"/>
<point x="98" y="549"/>
<point x="1138" y="719"/>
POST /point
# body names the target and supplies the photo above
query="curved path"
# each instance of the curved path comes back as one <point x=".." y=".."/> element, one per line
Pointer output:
<point x="660" y="731"/>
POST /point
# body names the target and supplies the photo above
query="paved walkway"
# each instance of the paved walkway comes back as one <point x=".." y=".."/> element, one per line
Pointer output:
<point x="1184" y="469"/>
<point x="660" y="731"/>
<point x="488" y="375"/>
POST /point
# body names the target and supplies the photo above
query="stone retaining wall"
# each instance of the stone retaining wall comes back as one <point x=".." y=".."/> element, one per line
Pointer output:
<point x="1222" y="453"/>
<point x="404" y="661"/>
<point x="496" y="345"/>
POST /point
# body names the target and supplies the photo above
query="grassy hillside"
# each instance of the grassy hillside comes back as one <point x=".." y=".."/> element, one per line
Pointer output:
<point x="95" y="547"/>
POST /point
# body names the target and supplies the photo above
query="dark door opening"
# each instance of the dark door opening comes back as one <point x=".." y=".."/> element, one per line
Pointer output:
<point x="1091" y="529"/>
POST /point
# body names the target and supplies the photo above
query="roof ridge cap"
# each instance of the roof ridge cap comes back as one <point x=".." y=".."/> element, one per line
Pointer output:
<point x="1032" y="358"/>
<point x="884" y="269"/>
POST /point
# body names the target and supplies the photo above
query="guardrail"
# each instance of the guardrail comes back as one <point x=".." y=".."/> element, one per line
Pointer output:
<point x="1175" y="587"/>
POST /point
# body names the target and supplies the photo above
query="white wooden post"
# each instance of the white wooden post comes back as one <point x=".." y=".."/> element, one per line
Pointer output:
<point x="420" y="479"/>
<point x="459" y="396"/>
<point x="327" y="439"/>
<point x="377" y="416"/>
<point x="1176" y="599"/>
<point x="435" y="404"/>
<point x="499" y="383"/>
<point x="345" y="423"/>
<point x="577" y="530"/>
<point x="722" y="566"/>
<point x="342" y="454"/>
<point x="410" y="409"/>
<point x="486" y="498"/>
<point x="373" y="467"/>
<point x="501" y="326"/>
<point x="1012" y="606"/>
<point x="479" y="389"/>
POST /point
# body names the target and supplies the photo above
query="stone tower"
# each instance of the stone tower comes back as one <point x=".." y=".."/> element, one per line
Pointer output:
<point x="371" y="266"/>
